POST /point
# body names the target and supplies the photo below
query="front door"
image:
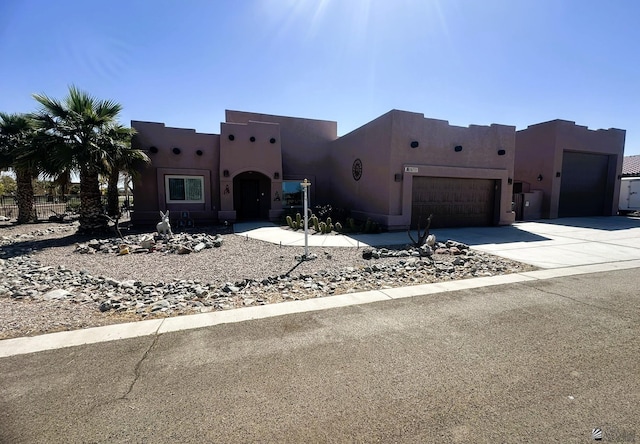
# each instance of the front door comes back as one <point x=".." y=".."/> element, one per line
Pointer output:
<point x="251" y="191"/>
<point x="249" y="207"/>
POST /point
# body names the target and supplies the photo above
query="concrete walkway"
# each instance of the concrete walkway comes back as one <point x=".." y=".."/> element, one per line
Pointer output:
<point x="563" y="247"/>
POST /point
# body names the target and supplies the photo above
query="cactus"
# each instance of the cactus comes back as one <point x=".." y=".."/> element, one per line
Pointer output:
<point x="330" y="227"/>
<point x="314" y="222"/>
<point x="299" y="221"/>
<point x="338" y="227"/>
<point x="329" y="221"/>
<point x="367" y="226"/>
<point x="289" y="221"/>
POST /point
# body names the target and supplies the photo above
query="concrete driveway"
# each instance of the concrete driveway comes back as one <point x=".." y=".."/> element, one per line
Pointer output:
<point x="554" y="243"/>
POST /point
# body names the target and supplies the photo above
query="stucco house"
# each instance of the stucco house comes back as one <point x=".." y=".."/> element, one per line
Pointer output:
<point x="394" y="170"/>
<point x="574" y="170"/>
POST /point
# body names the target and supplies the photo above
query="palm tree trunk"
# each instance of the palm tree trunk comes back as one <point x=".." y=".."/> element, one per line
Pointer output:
<point x="113" y="207"/>
<point x="92" y="220"/>
<point x="24" y="195"/>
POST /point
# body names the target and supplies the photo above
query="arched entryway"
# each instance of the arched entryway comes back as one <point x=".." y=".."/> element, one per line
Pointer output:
<point x="251" y="196"/>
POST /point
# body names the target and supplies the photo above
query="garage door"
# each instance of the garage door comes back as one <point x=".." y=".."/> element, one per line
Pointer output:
<point x="454" y="202"/>
<point x="584" y="184"/>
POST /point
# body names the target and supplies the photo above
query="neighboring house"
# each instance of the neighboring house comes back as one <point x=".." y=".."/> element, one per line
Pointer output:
<point x="631" y="166"/>
<point x="395" y="170"/>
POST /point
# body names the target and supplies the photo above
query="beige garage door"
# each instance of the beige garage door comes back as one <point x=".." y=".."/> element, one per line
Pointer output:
<point x="454" y="202"/>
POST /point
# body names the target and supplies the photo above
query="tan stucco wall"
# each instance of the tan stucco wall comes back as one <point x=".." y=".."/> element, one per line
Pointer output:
<point x="539" y="152"/>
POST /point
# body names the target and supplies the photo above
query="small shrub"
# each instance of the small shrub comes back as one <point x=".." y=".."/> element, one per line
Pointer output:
<point x="72" y="207"/>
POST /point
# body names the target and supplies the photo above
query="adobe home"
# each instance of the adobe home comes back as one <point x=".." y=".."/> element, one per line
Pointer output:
<point x="395" y="170"/>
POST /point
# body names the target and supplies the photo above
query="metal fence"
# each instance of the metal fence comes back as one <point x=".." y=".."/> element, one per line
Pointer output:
<point x="44" y="206"/>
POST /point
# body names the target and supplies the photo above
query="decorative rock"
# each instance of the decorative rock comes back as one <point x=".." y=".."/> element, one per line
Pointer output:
<point x="23" y="277"/>
<point x="183" y="250"/>
<point x="56" y="294"/>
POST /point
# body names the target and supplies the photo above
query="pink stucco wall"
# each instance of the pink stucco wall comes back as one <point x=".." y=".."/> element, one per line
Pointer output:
<point x="304" y="144"/>
<point x="250" y="150"/>
<point x="370" y="143"/>
<point x="149" y="187"/>
<point x="289" y="148"/>
<point x="384" y="147"/>
<point x="539" y="153"/>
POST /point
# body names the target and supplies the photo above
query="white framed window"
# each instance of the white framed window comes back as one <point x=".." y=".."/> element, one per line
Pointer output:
<point x="184" y="189"/>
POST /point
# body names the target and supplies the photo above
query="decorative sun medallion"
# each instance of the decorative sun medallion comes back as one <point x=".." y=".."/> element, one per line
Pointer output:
<point x="356" y="169"/>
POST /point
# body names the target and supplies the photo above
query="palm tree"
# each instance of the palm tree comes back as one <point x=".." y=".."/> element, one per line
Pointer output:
<point x="122" y="158"/>
<point x="17" y="151"/>
<point x="81" y="122"/>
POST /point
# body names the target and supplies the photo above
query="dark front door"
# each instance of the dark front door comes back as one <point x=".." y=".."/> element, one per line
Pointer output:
<point x="250" y="199"/>
<point x="251" y="191"/>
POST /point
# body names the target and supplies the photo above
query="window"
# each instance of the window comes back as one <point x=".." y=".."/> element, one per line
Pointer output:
<point x="184" y="189"/>
<point x="292" y="194"/>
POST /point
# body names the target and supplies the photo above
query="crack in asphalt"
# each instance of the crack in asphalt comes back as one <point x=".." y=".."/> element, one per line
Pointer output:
<point x="136" y="374"/>
<point x="599" y="307"/>
<point x="136" y="369"/>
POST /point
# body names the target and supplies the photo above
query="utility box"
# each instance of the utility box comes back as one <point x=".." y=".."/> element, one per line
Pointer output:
<point x="528" y="206"/>
<point x="629" y="194"/>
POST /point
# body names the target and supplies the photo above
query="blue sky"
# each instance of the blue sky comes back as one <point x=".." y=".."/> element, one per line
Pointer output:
<point x="515" y="62"/>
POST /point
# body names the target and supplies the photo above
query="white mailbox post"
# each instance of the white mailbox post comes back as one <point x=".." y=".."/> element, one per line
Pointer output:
<point x="305" y="186"/>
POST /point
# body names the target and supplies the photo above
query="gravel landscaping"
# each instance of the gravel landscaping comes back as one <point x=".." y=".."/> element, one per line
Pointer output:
<point x="54" y="280"/>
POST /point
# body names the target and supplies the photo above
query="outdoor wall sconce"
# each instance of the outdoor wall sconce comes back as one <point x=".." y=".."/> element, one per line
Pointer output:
<point x="272" y="140"/>
<point x="253" y="139"/>
<point x="558" y="174"/>
<point x="176" y="150"/>
<point x="153" y="149"/>
<point x="415" y="144"/>
<point x="199" y="152"/>
<point x="397" y="177"/>
<point x="225" y="173"/>
<point x="509" y="181"/>
<point x="232" y="137"/>
<point x="458" y="148"/>
<point x="539" y="177"/>
<point x="276" y="175"/>
<point x="501" y="152"/>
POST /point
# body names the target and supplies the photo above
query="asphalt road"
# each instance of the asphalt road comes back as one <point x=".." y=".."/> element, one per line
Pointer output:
<point x="541" y="361"/>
